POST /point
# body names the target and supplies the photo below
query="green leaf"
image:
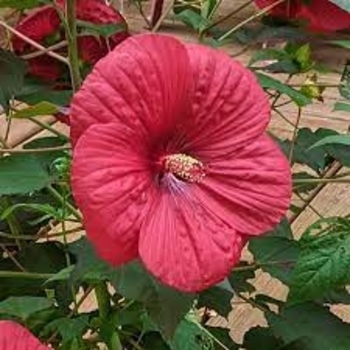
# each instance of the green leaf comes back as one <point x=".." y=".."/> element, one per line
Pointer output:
<point x="35" y="257"/>
<point x="68" y="328"/>
<point x="342" y="43"/>
<point x="193" y="19"/>
<point x="321" y="329"/>
<point x="62" y="275"/>
<point x="344" y="4"/>
<point x="22" y="173"/>
<point x="12" y="71"/>
<point x="239" y="279"/>
<point x="223" y="336"/>
<point x="268" y="82"/>
<point x="216" y="298"/>
<point x="105" y="30"/>
<point x="323" y="264"/>
<point x="40" y="109"/>
<point x="134" y="282"/>
<point x="23" y="307"/>
<point x="22" y="4"/>
<point x="276" y="255"/>
<point x="338" y="139"/>
<point x="88" y="267"/>
<point x="262" y="339"/>
<point x="191" y="336"/>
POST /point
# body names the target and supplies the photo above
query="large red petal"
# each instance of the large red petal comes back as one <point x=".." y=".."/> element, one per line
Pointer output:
<point x="323" y="15"/>
<point x="230" y="109"/>
<point x="143" y="84"/>
<point x="185" y="244"/>
<point x="15" y="337"/>
<point x="251" y="189"/>
<point x="112" y="184"/>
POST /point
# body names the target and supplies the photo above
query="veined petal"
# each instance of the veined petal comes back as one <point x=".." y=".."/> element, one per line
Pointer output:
<point x="112" y="184"/>
<point x="186" y="245"/>
<point x="229" y="107"/>
<point x="250" y="190"/>
<point x="143" y="84"/>
<point x="15" y="337"/>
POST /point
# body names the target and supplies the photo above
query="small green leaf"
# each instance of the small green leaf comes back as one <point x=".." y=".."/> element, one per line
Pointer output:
<point x="105" y="30"/>
<point x="40" y="109"/>
<point x="193" y="19"/>
<point x="338" y="139"/>
<point x="23" y="307"/>
<point x="268" y="82"/>
<point x="62" y="275"/>
<point x="342" y="43"/>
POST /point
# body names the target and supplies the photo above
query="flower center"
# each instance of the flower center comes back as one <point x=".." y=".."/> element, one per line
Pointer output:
<point x="184" y="167"/>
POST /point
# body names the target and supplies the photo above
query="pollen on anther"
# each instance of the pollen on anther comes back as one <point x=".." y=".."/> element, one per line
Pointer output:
<point x="184" y="167"/>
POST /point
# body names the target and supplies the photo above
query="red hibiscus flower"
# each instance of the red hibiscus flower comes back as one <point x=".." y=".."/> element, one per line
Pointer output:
<point x="43" y="25"/>
<point x="15" y="337"/>
<point x="171" y="162"/>
<point x="321" y="15"/>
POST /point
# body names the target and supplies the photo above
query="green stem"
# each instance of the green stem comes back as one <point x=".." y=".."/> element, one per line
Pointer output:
<point x="35" y="150"/>
<point x="321" y="181"/>
<point x="243" y="23"/>
<point x="62" y="200"/>
<point x="103" y="300"/>
<point x="48" y="127"/>
<point x="11" y="219"/>
<point x="28" y="275"/>
<point x="72" y="45"/>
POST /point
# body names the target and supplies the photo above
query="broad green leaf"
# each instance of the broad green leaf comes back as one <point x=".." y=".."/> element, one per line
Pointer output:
<point x="314" y="323"/>
<point x="22" y="4"/>
<point x="40" y="109"/>
<point x="283" y="229"/>
<point x="338" y="139"/>
<point x="42" y="258"/>
<point x="222" y="335"/>
<point x="22" y="173"/>
<point x="68" y="328"/>
<point x="262" y="339"/>
<point x="88" y="267"/>
<point x="23" y="307"/>
<point x="323" y="264"/>
<point x="268" y="82"/>
<point x="191" y="336"/>
<point x="344" y="4"/>
<point x="276" y="255"/>
<point x="239" y="279"/>
<point x="134" y="282"/>
<point x="12" y="71"/>
<point x="216" y="298"/>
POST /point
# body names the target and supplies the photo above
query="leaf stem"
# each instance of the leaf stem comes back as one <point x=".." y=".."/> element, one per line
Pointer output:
<point x="29" y="275"/>
<point x="34" y="150"/>
<point x="251" y="18"/>
<point x="34" y="43"/>
<point x="72" y="45"/>
<point x="60" y="199"/>
<point x="103" y="300"/>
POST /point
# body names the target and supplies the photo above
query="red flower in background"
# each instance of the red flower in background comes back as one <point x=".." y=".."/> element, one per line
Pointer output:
<point x="321" y="15"/>
<point x="171" y="162"/>
<point x="43" y="25"/>
<point x="15" y="337"/>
